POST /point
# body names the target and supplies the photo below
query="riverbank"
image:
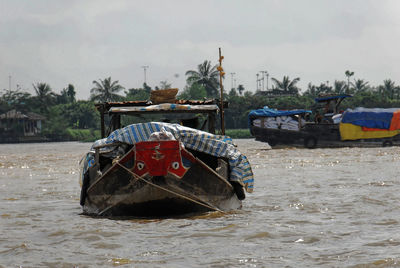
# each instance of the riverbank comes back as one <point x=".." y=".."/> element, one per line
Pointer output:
<point x="90" y="135"/>
<point x="241" y="133"/>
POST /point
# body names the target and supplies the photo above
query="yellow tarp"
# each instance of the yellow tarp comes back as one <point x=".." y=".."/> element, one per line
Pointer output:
<point x="352" y="132"/>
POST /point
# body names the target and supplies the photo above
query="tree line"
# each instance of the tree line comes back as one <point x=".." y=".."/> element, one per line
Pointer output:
<point x="63" y="111"/>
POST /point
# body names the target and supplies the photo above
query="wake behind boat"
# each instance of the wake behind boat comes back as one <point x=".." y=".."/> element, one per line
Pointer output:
<point x="161" y="169"/>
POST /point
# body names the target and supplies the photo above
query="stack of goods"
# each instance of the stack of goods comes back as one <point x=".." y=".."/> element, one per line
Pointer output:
<point x="279" y="122"/>
<point x="277" y="119"/>
<point x="370" y="123"/>
<point x="163" y="95"/>
<point x="337" y="118"/>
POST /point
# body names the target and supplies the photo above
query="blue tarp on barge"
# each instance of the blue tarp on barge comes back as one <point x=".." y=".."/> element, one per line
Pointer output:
<point x="268" y="112"/>
<point x="369" y="117"/>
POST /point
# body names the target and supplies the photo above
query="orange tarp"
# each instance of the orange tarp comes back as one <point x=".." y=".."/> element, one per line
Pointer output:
<point x="395" y="123"/>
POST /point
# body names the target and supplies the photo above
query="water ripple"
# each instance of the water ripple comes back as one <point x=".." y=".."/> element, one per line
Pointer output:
<point x="310" y="208"/>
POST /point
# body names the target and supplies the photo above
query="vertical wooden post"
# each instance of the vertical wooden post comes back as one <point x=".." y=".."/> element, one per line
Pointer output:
<point x="211" y="123"/>
<point x="102" y="122"/>
<point x="221" y="74"/>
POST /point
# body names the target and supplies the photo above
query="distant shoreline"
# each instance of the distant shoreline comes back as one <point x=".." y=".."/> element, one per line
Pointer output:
<point x="88" y="135"/>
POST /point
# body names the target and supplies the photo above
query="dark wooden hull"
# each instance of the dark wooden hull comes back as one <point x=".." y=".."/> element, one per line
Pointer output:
<point x="315" y="135"/>
<point x="119" y="192"/>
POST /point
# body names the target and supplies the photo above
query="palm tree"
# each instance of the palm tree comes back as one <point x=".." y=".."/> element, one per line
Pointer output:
<point x="67" y="95"/>
<point x="165" y="85"/>
<point x="388" y="88"/>
<point x="339" y="87"/>
<point x="286" y="85"/>
<point x="360" y="85"/>
<point x="44" y="95"/>
<point x="324" y="89"/>
<point x="240" y="89"/>
<point x="311" y="91"/>
<point x="71" y="93"/>
<point x="348" y="74"/>
<point x="207" y="76"/>
<point x="105" y="90"/>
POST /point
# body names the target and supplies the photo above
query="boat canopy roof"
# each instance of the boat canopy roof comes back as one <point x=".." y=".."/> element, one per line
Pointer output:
<point x="166" y="107"/>
<point x="332" y="97"/>
<point x="144" y="106"/>
<point x="268" y="112"/>
<point x="183" y="108"/>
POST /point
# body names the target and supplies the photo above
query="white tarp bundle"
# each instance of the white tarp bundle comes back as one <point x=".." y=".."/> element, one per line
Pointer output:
<point x="278" y="122"/>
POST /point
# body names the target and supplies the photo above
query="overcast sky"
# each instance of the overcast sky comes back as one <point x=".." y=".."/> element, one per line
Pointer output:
<point x="62" y="42"/>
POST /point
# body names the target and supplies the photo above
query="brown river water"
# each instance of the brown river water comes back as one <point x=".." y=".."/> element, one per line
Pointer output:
<point x="310" y="208"/>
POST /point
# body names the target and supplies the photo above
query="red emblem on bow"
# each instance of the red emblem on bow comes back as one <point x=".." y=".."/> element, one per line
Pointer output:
<point x="158" y="158"/>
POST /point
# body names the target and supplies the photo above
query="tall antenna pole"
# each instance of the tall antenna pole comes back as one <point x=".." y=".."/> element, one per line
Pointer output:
<point x="144" y="69"/>
<point x="257" y="81"/>
<point x="262" y="78"/>
<point x="232" y="85"/>
<point x="9" y="83"/>
<point x="221" y="75"/>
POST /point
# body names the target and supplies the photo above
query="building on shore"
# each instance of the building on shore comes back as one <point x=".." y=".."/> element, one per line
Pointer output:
<point x="16" y="126"/>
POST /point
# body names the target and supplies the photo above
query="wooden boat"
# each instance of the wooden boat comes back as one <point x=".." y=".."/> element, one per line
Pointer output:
<point x="162" y="169"/>
<point x="326" y="130"/>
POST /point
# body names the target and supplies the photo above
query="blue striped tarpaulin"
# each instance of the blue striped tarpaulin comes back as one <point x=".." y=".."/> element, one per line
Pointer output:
<point x="216" y="145"/>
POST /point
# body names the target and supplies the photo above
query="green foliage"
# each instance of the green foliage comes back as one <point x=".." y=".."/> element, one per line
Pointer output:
<point x="68" y="119"/>
<point x="45" y="97"/>
<point x="370" y="99"/>
<point x="389" y="89"/>
<point x="240" y="89"/>
<point x="207" y="76"/>
<point x="67" y="95"/>
<point x="193" y="92"/>
<point x="105" y="90"/>
<point x="134" y="94"/>
<point x="87" y="135"/>
<point x="17" y="100"/>
<point x="165" y="85"/>
<point x="233" y="92"/>
<point x="286" y="85"/>
<point x="238" y="133"/>
<point x="55" y="125"/>
<point x="80" y="114"/>
<point x="360" y="85"/>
